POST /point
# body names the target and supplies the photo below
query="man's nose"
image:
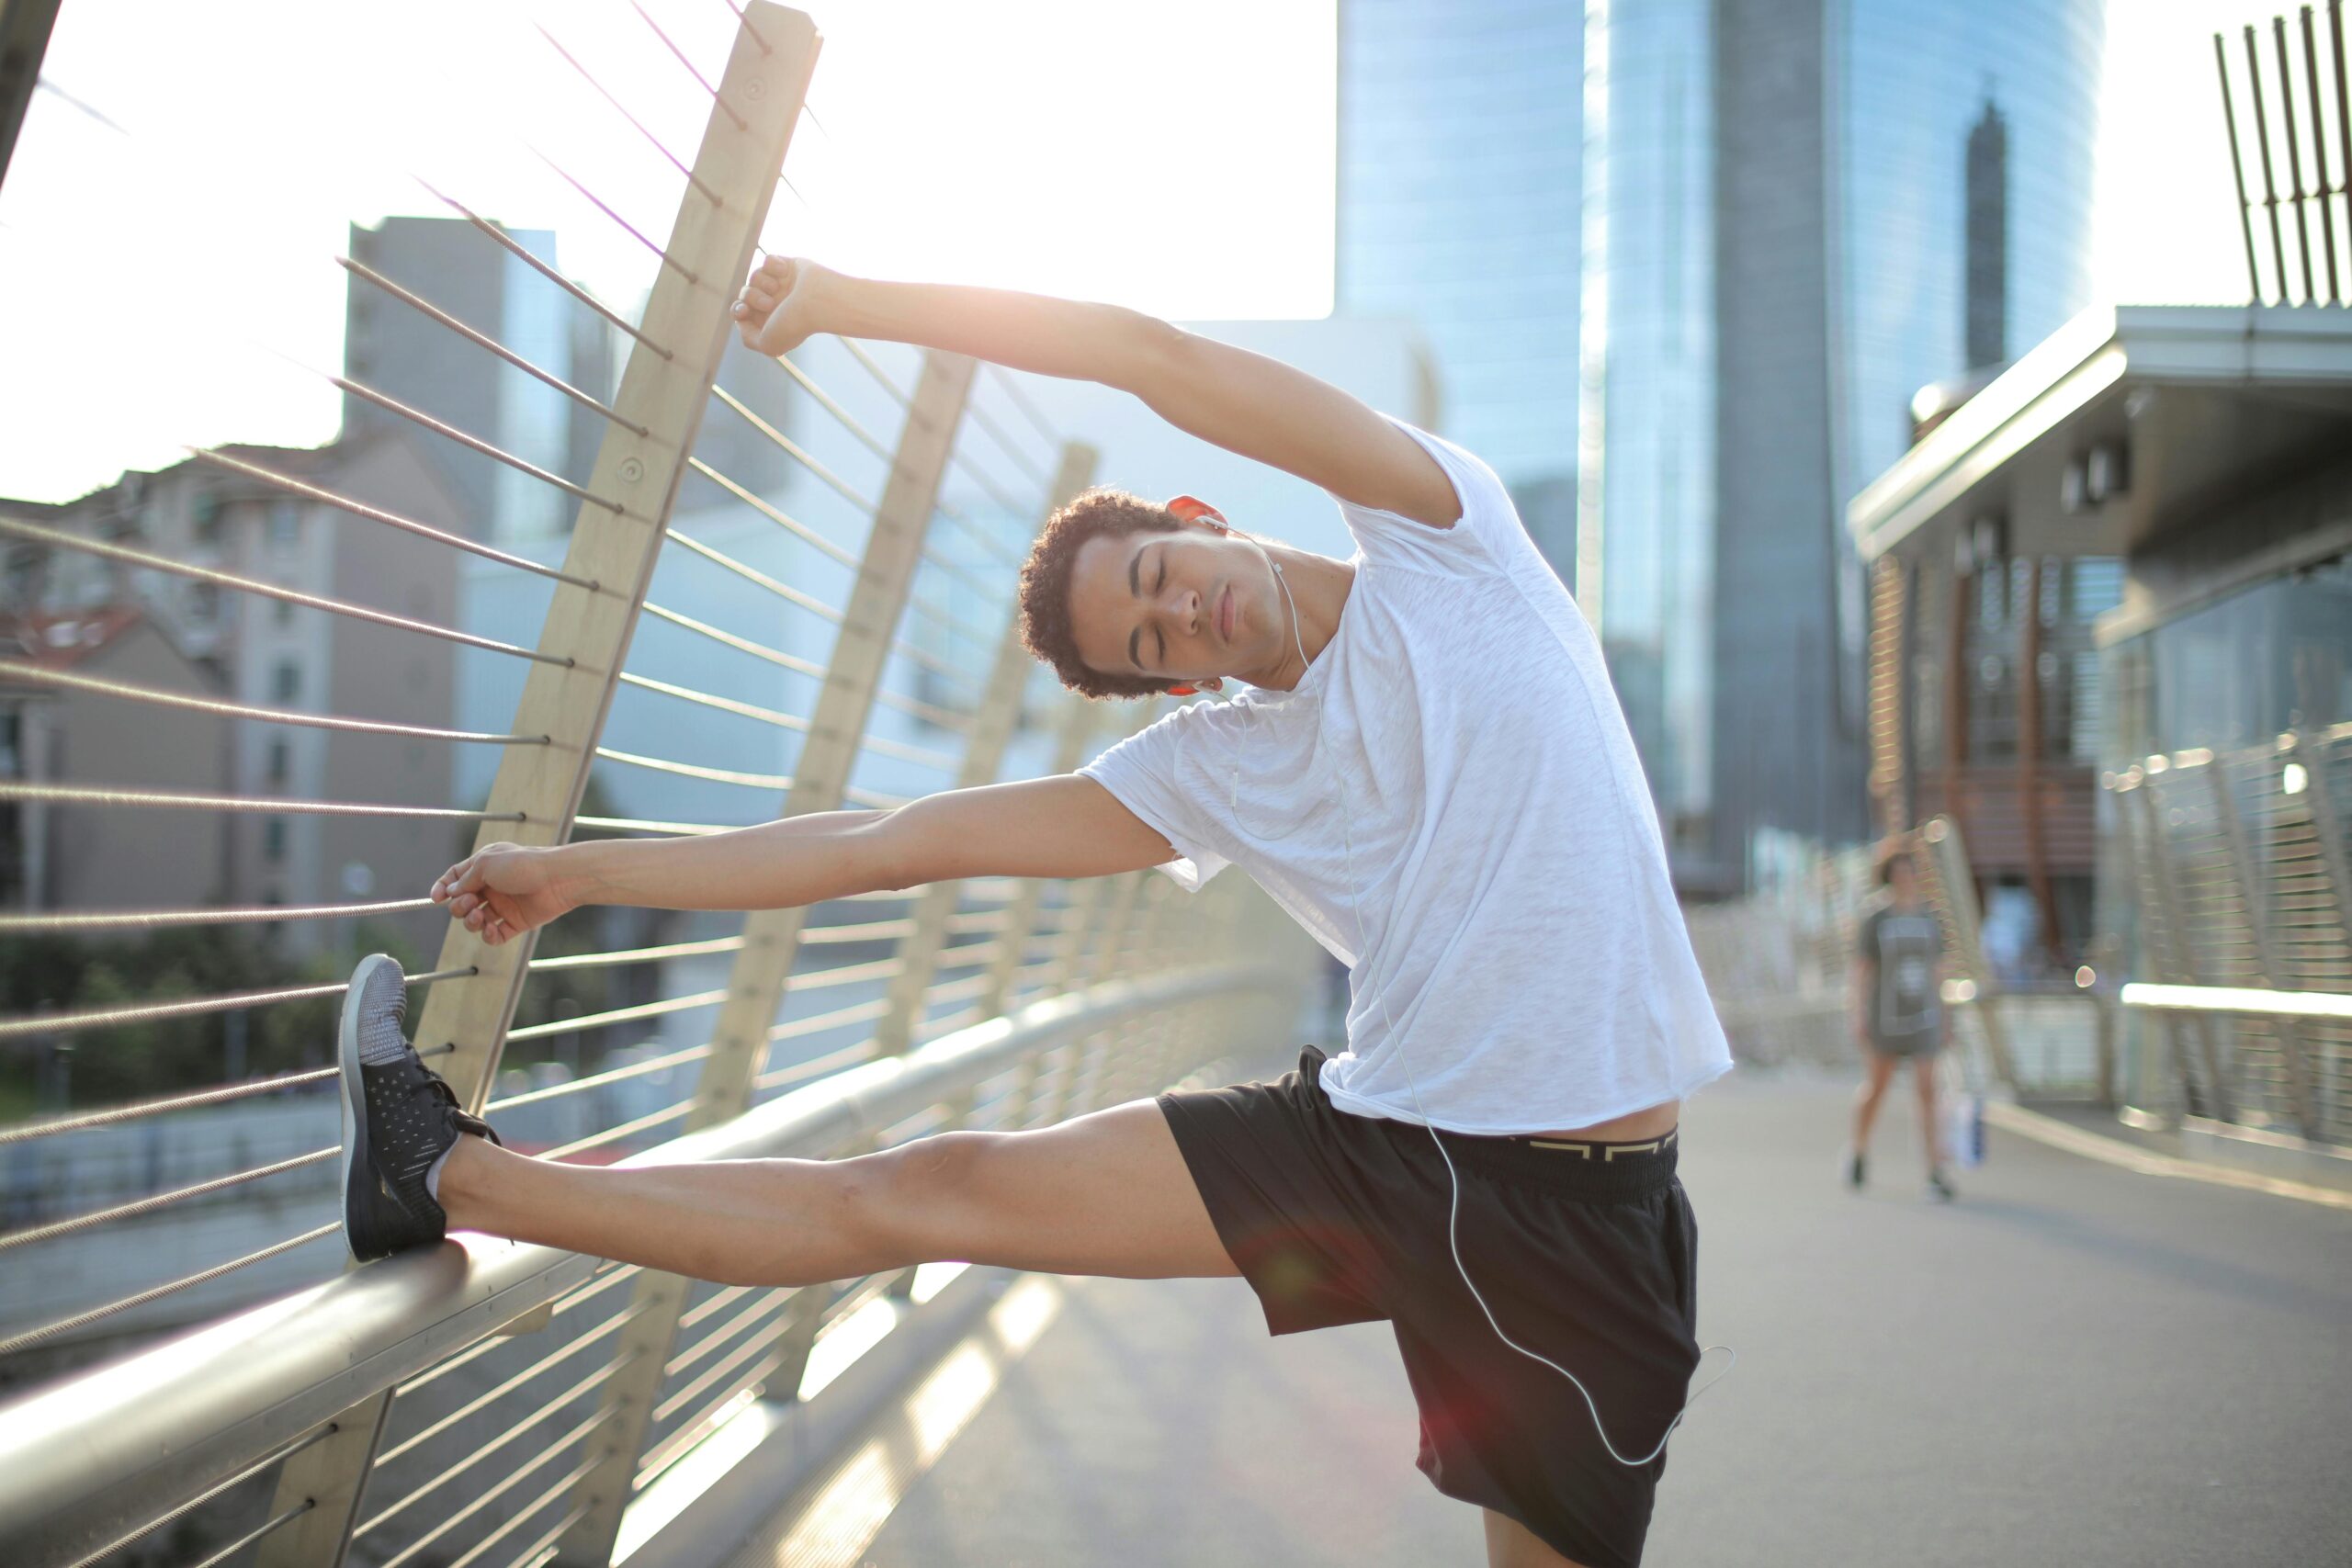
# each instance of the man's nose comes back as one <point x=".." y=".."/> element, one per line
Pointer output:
<point x="1184" y="609"/>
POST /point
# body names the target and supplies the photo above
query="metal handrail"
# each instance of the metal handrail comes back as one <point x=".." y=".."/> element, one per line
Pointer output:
<point x="87" y="1458"/>
<point x="2236" y="999"/>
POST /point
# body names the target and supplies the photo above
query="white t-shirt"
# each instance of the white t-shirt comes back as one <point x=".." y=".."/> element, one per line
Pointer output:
<point x="1453" y="777"/>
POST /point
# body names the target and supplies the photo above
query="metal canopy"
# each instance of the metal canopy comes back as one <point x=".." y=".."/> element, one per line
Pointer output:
<point x="2195" y="400"/>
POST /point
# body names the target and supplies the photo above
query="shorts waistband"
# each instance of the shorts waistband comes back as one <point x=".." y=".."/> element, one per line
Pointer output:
<point x="1586" y="1169"/>
<point x="1574" y="1169"/>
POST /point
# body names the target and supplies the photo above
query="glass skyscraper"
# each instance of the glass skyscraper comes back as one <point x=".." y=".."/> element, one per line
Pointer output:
<point x="1458" y="210"/>
<point x="1776" y="215"/>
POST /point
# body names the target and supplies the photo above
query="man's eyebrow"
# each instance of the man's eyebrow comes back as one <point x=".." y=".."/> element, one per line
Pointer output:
<point x="1134" y="587"/>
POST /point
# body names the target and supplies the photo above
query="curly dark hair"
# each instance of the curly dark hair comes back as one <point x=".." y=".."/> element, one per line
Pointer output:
<point x="1045" y="581"/>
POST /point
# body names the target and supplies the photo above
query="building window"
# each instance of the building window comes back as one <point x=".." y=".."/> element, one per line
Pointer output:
<point x="286" y="681"/>
<point x="273" y="839"/>
<point x="203" y="602"/>
<point x="285" y="525"/>
<point x="282" y="612"/>
<point x="281" y="760"/>
<point x="204" y="517"/>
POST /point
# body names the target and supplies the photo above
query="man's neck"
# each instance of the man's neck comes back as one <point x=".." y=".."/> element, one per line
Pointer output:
<point x="1319" y="588"/>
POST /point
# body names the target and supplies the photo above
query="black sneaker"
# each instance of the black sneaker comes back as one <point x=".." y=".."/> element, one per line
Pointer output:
<point x="1939" y="1190"/>
<point x="398" y="1118"/>
<point x="1854" y="1171"/>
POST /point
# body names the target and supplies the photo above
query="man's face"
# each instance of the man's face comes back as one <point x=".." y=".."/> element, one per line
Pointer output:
<point x="1183" y="606"/>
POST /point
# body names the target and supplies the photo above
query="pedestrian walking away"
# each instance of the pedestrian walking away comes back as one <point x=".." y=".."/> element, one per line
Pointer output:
<point x="1415" y="751"/>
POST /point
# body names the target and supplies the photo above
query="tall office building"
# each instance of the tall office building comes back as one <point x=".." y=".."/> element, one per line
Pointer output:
<point x="1458" y="171"/>
<point x="1796" y="214"/>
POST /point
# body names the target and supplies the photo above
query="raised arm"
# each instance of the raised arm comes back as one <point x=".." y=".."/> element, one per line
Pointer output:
<point x="1064" y="826"/>
<point x="1242" y="401"/>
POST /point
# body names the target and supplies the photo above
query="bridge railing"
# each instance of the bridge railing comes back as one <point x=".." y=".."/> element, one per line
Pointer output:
<point x="2238" y="862"/>
<point x="844" y="638"/>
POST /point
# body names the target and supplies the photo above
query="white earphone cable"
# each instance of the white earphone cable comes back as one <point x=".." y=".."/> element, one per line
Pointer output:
<point x="1453" y="1206"/>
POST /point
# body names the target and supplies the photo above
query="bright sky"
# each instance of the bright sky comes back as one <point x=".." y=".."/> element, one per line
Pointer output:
<point x="170" y="283"/>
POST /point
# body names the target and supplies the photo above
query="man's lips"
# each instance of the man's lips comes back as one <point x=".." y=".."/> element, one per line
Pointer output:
<point x="1225" y="614"/>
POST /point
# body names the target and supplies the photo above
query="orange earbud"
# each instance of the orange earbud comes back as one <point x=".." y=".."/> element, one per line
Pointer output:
<point x="1188" y="508"/>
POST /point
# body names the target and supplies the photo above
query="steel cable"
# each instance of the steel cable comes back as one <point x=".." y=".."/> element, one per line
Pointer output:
<point x="660" y="253"/>
<point x="155" y="1012"/>
<point x="145" y="919"/>
<point x="793" y="450"/>
<point x="716" y="97"/>
<point x="516" y="249"/>
<point x="798" y="530"/>
<point x="390" y="519"/>
<point x="472" y="443"/>
<point x="758" y="579"/>
<point x="513" y="1479"/>
<point x="25" y="1132"/>
<point x="160" y="1201"/>
<point x="424" y="1435"/>
<point x="271" y="805"/>
<point x="16" y="1342"/>
<point x="488" y="345"/>
<point x="597" y="1080"/>
<point x="1029" y="410"/>
<point x="513" y="1430"/>
<point x="11" y="669"/>
<point x="129" y="556"/>
<point x="619" y="107"/>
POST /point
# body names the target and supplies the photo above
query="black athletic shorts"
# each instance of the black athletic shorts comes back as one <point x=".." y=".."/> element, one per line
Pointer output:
<point x="1586" y="1252"/>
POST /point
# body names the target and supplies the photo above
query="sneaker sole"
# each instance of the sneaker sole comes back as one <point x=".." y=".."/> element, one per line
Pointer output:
<point x="356" y="1164"/>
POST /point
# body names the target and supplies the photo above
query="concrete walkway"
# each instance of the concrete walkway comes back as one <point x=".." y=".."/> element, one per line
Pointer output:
<point x="2075" y="1364"/>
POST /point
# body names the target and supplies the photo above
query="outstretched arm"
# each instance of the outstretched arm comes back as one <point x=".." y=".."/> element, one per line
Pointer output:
<point x="1063" y="826"/>
<point x="1242" y="401"/>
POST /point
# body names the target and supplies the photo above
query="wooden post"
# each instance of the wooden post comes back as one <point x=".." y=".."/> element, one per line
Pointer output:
<point x="983" y="759"/>
<point x="711" y="240"/>
<point x="772" y="937"/>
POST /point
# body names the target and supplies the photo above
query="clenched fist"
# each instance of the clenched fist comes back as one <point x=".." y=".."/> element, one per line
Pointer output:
<point x="777" y="309"/>
<point x="502" y="890"/>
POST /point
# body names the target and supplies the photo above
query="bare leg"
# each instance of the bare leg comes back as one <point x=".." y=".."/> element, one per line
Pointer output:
<point x="1923" y="1070"/>
<point x="1511" y="1544"/>
<point x="1107" y="1193"/>
<point x="1878" y="1071"/>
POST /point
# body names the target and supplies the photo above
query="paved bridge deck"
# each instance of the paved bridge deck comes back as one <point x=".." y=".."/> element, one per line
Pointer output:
<point x="2075" y="1364"/>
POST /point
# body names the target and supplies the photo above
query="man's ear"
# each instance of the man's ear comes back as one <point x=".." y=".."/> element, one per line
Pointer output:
<point x="1192" y="508"/>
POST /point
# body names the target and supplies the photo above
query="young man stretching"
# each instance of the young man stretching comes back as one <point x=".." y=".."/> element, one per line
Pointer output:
<point x="1426" y="768"/>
